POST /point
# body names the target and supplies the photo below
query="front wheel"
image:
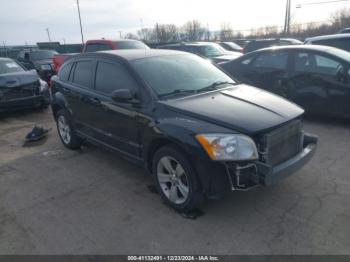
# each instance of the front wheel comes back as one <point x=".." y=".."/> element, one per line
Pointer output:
<point x="176" y="179"/>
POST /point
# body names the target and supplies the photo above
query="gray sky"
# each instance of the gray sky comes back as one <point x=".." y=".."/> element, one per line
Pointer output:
<point x="24" y="21"/>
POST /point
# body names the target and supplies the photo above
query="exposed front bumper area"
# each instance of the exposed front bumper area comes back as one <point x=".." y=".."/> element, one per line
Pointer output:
<point x="218" y="178"/>
<point x="250" y="175"/>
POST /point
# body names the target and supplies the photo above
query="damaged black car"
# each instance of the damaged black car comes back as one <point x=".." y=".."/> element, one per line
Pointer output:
<point x="20" y="88"/>
<point x="194" y="128"/>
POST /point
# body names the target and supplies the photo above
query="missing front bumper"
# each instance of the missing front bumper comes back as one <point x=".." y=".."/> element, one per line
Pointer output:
<point x="248" y="176"/>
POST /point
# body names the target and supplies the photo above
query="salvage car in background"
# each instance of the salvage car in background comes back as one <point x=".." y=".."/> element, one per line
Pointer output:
<point x="254" y="45"/>
<point x="20" y="88"/>
<point x="231" y="46"/>
<point x="40" y="60"/>
<point x="341" y="41"/>
<point x="99" y="45"/>
<point x="209" y="50"/>
<point x="197" y="131"/>
<point x="314" y="77"/>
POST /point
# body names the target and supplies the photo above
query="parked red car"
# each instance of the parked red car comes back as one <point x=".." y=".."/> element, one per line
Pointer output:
<point x="99" y="45"/>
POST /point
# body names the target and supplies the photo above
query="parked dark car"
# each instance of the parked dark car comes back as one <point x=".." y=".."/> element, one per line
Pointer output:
<point x="264" y="43"/>
<point x="344" y="31"/>
<point x="314" y="77"/>
<point x="20" y="88"/>
<point x="341" y="41"/>
<point x="209" y="50"/>
<point x="231" y="46"/>
<point x="40" y="60"/>
<point x="196" y="130"/>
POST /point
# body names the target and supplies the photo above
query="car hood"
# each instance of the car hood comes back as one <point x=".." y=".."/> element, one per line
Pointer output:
<point x="226" y="57"/>
<point x="18" y="79"/>
<point x="242" y="108"/>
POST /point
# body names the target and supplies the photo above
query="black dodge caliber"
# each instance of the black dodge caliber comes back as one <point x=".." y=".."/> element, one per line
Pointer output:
<point x="197" y="131"/>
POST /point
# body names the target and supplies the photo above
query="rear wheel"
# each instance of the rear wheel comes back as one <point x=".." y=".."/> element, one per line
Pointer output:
<point x="176" y="179"/>
<point x="66" y="130"/>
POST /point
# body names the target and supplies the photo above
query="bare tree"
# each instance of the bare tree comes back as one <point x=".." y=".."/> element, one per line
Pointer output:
<point x="194" y="30"/>
<point x="226" y="32"/>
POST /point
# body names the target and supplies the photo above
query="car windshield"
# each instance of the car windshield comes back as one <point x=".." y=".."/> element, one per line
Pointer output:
<point x="131" y="45"/>
<point x="42" y="55"/>
<point x="233" y="45"/>
<point x="211" y="50"/>
<point x="182" y="73"/>
<point x="9" y="66"/>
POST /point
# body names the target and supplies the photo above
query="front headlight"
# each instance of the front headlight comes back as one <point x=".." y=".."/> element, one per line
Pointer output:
<point x="227" y="147"/>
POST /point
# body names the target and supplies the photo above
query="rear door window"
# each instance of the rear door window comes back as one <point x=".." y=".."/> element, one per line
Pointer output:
<point x="113" y="76"/>
<point x="83" y="73"/>
<point x="314" y="63"/>
<point x="273" y="60"/>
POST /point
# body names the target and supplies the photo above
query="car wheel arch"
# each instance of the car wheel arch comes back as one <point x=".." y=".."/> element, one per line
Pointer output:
<point x="155" y="145"/>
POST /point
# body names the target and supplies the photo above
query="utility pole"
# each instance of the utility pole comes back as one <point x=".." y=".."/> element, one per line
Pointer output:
<point x="120" y="34"/>
<point x="5" y="49"/>
<point x="287" y="18"/>
<point x="48" y="34"/>
<point x="81" y="27"/>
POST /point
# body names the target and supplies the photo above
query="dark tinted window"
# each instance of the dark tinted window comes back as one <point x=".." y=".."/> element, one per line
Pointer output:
<point x="42" y="54"/>
<point x="110" y="77"/>
<point x="97" y="47"/>
<point x="341" y="43"/>
<point x="83" y="73"/>
<point x="64" y="72"/>
<point x="131" y="45"/>
<point x="272" y="60"/>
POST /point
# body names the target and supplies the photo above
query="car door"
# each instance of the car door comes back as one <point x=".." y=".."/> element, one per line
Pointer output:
<point x="78" y="93"/>
<point x="320" y="83"/>
<point x="269" y="70"/>
<point x="115" y="123"/>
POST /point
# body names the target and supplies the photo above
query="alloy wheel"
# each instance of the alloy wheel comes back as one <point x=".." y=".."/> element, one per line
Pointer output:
<point x="63" y="129"/>
<point x="173" y="180"/>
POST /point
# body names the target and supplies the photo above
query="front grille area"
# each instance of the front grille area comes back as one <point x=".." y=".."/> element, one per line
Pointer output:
<point x="282" y="143"/>
<point x="20" y="92"/>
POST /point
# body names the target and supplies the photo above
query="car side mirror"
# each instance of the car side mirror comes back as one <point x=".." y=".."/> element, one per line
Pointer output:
<point x="123" y="96"/>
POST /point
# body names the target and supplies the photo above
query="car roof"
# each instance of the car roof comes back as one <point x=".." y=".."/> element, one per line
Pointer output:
<point x="326" y="37"/>
<point x="327" y="49"/>
<point x="189" y="44"/>
<point x="111" y="40"/>
<point x="133" y="54"/>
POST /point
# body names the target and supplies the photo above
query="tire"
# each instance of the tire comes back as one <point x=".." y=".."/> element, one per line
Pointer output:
<point x="67" y="131"/>
<point x="176" y="180"/>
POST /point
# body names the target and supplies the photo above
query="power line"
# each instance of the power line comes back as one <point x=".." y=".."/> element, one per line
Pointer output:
<point x="322" y="2"/>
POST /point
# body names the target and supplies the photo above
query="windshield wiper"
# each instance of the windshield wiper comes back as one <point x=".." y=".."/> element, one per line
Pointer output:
<point x="215" y="85"/>
<point x="179" y="91"/>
